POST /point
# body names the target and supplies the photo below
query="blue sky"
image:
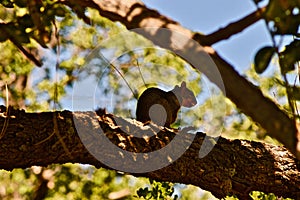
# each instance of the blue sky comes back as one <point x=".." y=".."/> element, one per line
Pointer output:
<point x="208" y="16"/>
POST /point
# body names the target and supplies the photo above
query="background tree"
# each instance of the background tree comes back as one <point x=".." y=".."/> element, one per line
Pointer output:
<point x="44" y="32"/>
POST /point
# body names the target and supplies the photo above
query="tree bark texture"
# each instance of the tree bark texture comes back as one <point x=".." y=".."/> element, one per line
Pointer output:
<point x="233" y="167"/>
<point x="247" y="97"/>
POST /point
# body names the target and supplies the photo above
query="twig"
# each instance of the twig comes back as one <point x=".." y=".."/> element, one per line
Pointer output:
<point x="231" y="29"/>
<point x="6" y="114"/>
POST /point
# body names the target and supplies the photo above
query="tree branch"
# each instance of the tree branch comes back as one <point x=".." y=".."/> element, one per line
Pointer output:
<point x="232" y="167"/>
<point x="247" y="97"/>
<point x="29" y="55"/>
<point x="231" y="29"/>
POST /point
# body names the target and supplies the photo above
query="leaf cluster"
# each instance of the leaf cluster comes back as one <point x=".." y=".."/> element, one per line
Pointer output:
<point x="287" y="58"/>
<point x="283" y="19"/>
<point x="30" y="20"/>
<point x="158" y="191"/>
<point x="283" y="16"/>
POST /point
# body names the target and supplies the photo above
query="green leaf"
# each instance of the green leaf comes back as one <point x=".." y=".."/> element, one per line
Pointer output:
<point x="7" y="3"/>
<point x="282" y="14"/>
<point x="21" y="3"/>
<point x="25" y="21"/>
<point x="289" y="56"/>
<point x="296" y="92"/>
<point x="263" y="58"/>
<point x="142" y="192"/>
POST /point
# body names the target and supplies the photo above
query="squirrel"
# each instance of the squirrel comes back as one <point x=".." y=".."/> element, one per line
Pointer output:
<point x="161" y="107"/>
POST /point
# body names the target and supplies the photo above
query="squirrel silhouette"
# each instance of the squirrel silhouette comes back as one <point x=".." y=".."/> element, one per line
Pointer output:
<point x="161" y="107"/>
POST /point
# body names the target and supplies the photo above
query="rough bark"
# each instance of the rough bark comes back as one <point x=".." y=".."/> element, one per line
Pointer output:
<point x="232" y="167"/>
<point x="249" y="98"/>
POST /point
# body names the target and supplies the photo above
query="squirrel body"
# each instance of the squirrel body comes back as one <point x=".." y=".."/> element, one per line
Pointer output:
<point x="161" y="107"/>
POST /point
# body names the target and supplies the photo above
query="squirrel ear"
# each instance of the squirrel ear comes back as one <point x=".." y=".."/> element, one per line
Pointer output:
<point x="183" y="88"/>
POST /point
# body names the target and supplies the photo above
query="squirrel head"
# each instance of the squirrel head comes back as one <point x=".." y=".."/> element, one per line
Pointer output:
<point x="184" y="95"/>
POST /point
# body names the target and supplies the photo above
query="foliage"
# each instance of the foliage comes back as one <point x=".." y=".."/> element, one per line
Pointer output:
<point x="10" y="62"/>
<point x="262" y="196"/>
<point x="290" y="56"/>
<point x="30" y="21"/>
<point x="287" y="58"/>
<point x="158" y="190"/>
<point x="282" y="18"/>
<point x="66" y="182"/>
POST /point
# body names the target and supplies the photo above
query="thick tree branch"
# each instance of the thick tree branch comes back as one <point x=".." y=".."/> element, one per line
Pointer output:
<point x="247" y="97"/>
<point x="232" y="167"/>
